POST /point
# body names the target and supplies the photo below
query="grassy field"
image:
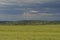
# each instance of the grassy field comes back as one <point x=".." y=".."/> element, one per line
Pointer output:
<point x="29" y="32"/>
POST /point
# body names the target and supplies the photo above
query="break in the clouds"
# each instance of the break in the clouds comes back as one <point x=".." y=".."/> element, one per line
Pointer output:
<point x="29" y="10"/>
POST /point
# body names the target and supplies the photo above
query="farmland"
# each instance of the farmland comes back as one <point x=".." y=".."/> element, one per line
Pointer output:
<point x="29" y="32"/>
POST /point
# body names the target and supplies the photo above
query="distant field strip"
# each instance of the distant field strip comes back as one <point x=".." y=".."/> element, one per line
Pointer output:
<point x="29" y="32"/>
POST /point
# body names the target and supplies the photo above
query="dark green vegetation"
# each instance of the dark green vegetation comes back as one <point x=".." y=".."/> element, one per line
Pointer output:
<point x="29" y="22"/>
<point x="29" y="32"/>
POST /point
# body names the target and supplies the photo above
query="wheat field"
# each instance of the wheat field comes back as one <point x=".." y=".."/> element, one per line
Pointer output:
<point x="29" y="32"/>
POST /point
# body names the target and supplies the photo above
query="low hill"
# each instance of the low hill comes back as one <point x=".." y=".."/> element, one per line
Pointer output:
<point x="30" y="22"/>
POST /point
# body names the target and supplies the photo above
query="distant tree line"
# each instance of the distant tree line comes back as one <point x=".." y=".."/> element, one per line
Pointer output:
<point x="29" y="22"/>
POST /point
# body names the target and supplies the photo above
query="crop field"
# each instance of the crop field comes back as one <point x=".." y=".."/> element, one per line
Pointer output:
<point x="29" y="32"/>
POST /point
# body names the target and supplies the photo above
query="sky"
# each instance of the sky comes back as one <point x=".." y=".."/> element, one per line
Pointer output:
<point x="11" y="10"/>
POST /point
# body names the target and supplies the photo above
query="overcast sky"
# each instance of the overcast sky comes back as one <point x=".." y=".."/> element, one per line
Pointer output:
<point x="29" y="10"/>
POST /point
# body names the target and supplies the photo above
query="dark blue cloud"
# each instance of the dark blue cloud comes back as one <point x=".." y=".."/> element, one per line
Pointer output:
<point x="53" y="7"/>
<point x="11" y="9"/>
<point x="47" y="7"/>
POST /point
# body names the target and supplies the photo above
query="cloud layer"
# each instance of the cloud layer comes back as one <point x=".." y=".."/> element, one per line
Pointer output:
<point x="23" y="1"/>
<point x="29" y="10"/>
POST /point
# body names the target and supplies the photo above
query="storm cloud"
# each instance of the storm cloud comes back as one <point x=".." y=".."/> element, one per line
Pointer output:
<point x="29" y="10"/>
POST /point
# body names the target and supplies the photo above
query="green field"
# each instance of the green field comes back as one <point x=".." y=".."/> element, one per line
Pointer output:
<point x="29" y="32"/>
